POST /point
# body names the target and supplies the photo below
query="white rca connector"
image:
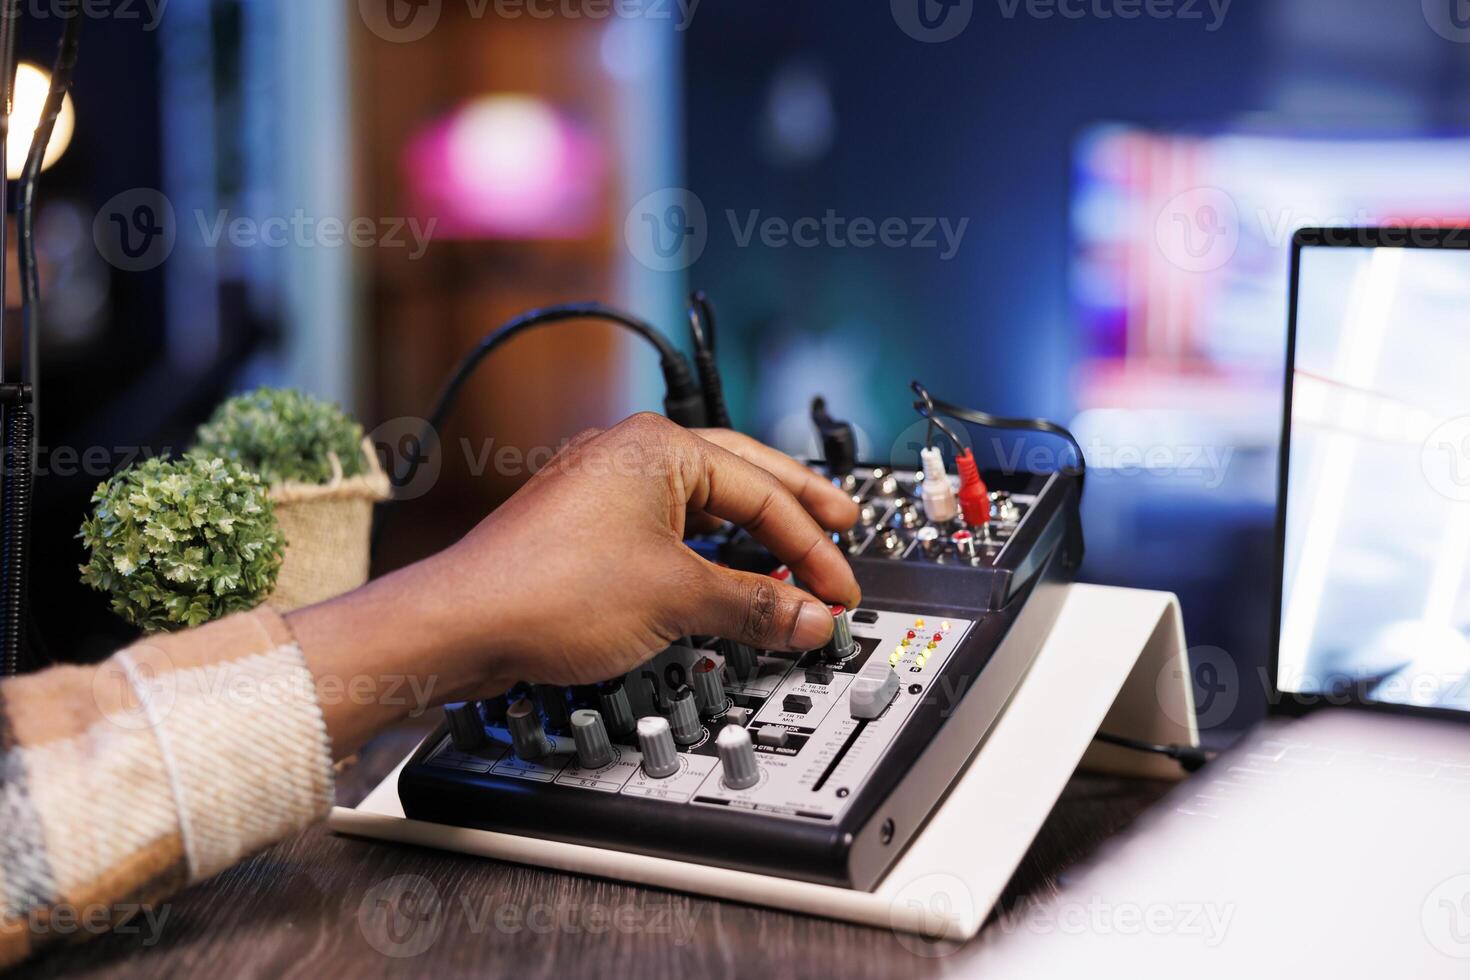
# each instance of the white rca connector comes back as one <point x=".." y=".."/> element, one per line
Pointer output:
<point x="940" y="505"/>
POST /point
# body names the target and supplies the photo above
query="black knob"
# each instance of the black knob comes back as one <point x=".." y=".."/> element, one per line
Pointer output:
<point x="466" y="727"/>
<point x="617" y="712"/>
<point x="493" y="709"/>
<point x="554" y="702"/>
<point x="528" y="738"/>
<point x="741" y="659"/>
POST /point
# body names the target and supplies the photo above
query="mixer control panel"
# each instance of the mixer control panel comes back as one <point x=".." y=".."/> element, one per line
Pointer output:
<point x="819" y="765"/>
<point x="816" y="729"/>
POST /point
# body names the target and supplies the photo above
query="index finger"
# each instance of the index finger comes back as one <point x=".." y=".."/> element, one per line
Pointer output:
<point x="729" y="487"/>
<point x="834" y="509"/>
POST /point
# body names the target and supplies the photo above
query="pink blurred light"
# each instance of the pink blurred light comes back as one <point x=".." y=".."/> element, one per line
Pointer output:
<point x="506" y="166"/>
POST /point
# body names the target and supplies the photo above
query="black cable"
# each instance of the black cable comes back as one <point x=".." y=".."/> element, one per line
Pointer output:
<point x="925" y="407"/>
<point x="30" y="282"/>
<point x="678" y="381"/>
<point x="988" y="421"/>
<point x="707" y="318"/>
<point x="701" y="327"/>
<point x="683" y="400"/>
<point x="702" y="334"/>
<point x="1189" y="757"/>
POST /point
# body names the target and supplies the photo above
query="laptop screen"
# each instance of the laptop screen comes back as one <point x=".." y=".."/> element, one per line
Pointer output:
<point x="1375" y="591"/>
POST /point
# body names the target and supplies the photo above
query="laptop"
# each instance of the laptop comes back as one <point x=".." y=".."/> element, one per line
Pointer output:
<point x="1335" y="839"/>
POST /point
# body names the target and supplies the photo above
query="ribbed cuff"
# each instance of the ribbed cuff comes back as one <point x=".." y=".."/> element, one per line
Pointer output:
<point x="242" y="738"/>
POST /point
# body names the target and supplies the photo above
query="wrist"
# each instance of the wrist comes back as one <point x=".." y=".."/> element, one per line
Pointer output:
<point x="392" y="649"/>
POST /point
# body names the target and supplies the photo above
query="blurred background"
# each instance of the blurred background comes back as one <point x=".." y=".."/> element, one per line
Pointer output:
<point x="1050" y="208"/>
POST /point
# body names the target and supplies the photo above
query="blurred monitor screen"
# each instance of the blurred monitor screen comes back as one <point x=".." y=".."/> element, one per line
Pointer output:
<point x="1181" y="255"/>
<point x="1376" y="596"/>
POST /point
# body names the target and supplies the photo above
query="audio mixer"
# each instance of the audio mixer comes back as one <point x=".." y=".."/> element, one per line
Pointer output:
<point x="818" y="766"/>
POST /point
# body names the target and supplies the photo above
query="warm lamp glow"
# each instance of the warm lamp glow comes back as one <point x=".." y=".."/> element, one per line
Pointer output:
<point x="507" y="166"/>
<point x="31" y="85"/>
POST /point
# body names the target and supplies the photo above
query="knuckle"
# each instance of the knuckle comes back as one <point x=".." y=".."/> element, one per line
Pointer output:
<point x="645" y="445"/>
<point x="763" y="513"/>
<point x="586" y="435"/>
<point x="738" y="443"/>
<point x="779" y="495"/>
<point x="760" y="611"/>
<point x="650" y="431"/>
<point x="648" y="422"/>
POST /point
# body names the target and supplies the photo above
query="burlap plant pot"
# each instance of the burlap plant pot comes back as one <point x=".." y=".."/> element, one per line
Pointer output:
<point x="327" y="528"/>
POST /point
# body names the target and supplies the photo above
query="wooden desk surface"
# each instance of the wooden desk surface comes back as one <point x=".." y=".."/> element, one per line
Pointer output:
<point x="293" y="911"/>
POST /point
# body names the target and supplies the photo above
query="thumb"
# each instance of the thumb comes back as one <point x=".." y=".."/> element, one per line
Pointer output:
<point x="760" y="611"/>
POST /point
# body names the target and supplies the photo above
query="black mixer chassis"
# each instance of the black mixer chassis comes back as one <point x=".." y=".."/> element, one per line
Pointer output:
<point x="1013" y="597"/>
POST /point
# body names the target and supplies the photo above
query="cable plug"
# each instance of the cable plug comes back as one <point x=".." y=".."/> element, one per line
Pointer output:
<point x="683" y="399"/>
<point x="937" y="492"/>
<point x="974" y="494"/>
<point x="839" y="441"/>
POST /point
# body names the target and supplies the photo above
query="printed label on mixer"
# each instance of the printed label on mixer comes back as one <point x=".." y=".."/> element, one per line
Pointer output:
<point x="609" y="779"/>
<point x="677" y="788"/>
<point x="541" y="772"/>
<point x="448" y="758"/>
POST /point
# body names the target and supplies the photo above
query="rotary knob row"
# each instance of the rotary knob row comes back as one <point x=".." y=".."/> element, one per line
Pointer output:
<point x="658" y="739"/>
<point x="593" y="731"/>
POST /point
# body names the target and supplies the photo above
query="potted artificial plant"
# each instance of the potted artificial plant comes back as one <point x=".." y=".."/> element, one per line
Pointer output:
<point x="180" y="542"/>
<point x="323" y="479"/>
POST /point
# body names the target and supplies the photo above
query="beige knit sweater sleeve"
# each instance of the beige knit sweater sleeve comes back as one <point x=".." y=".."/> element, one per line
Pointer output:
<point x="123" y="782"/>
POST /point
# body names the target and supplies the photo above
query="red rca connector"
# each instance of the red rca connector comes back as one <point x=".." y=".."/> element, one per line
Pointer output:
<point x="974" y="494"/>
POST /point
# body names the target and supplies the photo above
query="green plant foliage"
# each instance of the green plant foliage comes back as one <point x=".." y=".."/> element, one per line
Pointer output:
<point x="177" y="543"/>
<point x="283" y="435"/>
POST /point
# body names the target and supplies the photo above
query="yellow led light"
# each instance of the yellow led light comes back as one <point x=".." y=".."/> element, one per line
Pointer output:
<point x="932" y="644"/>
<point x="921" y="660"/>
<point x="894" y="657"/>
<point x="944" y="626"/>
<point x="919" y="623"/>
